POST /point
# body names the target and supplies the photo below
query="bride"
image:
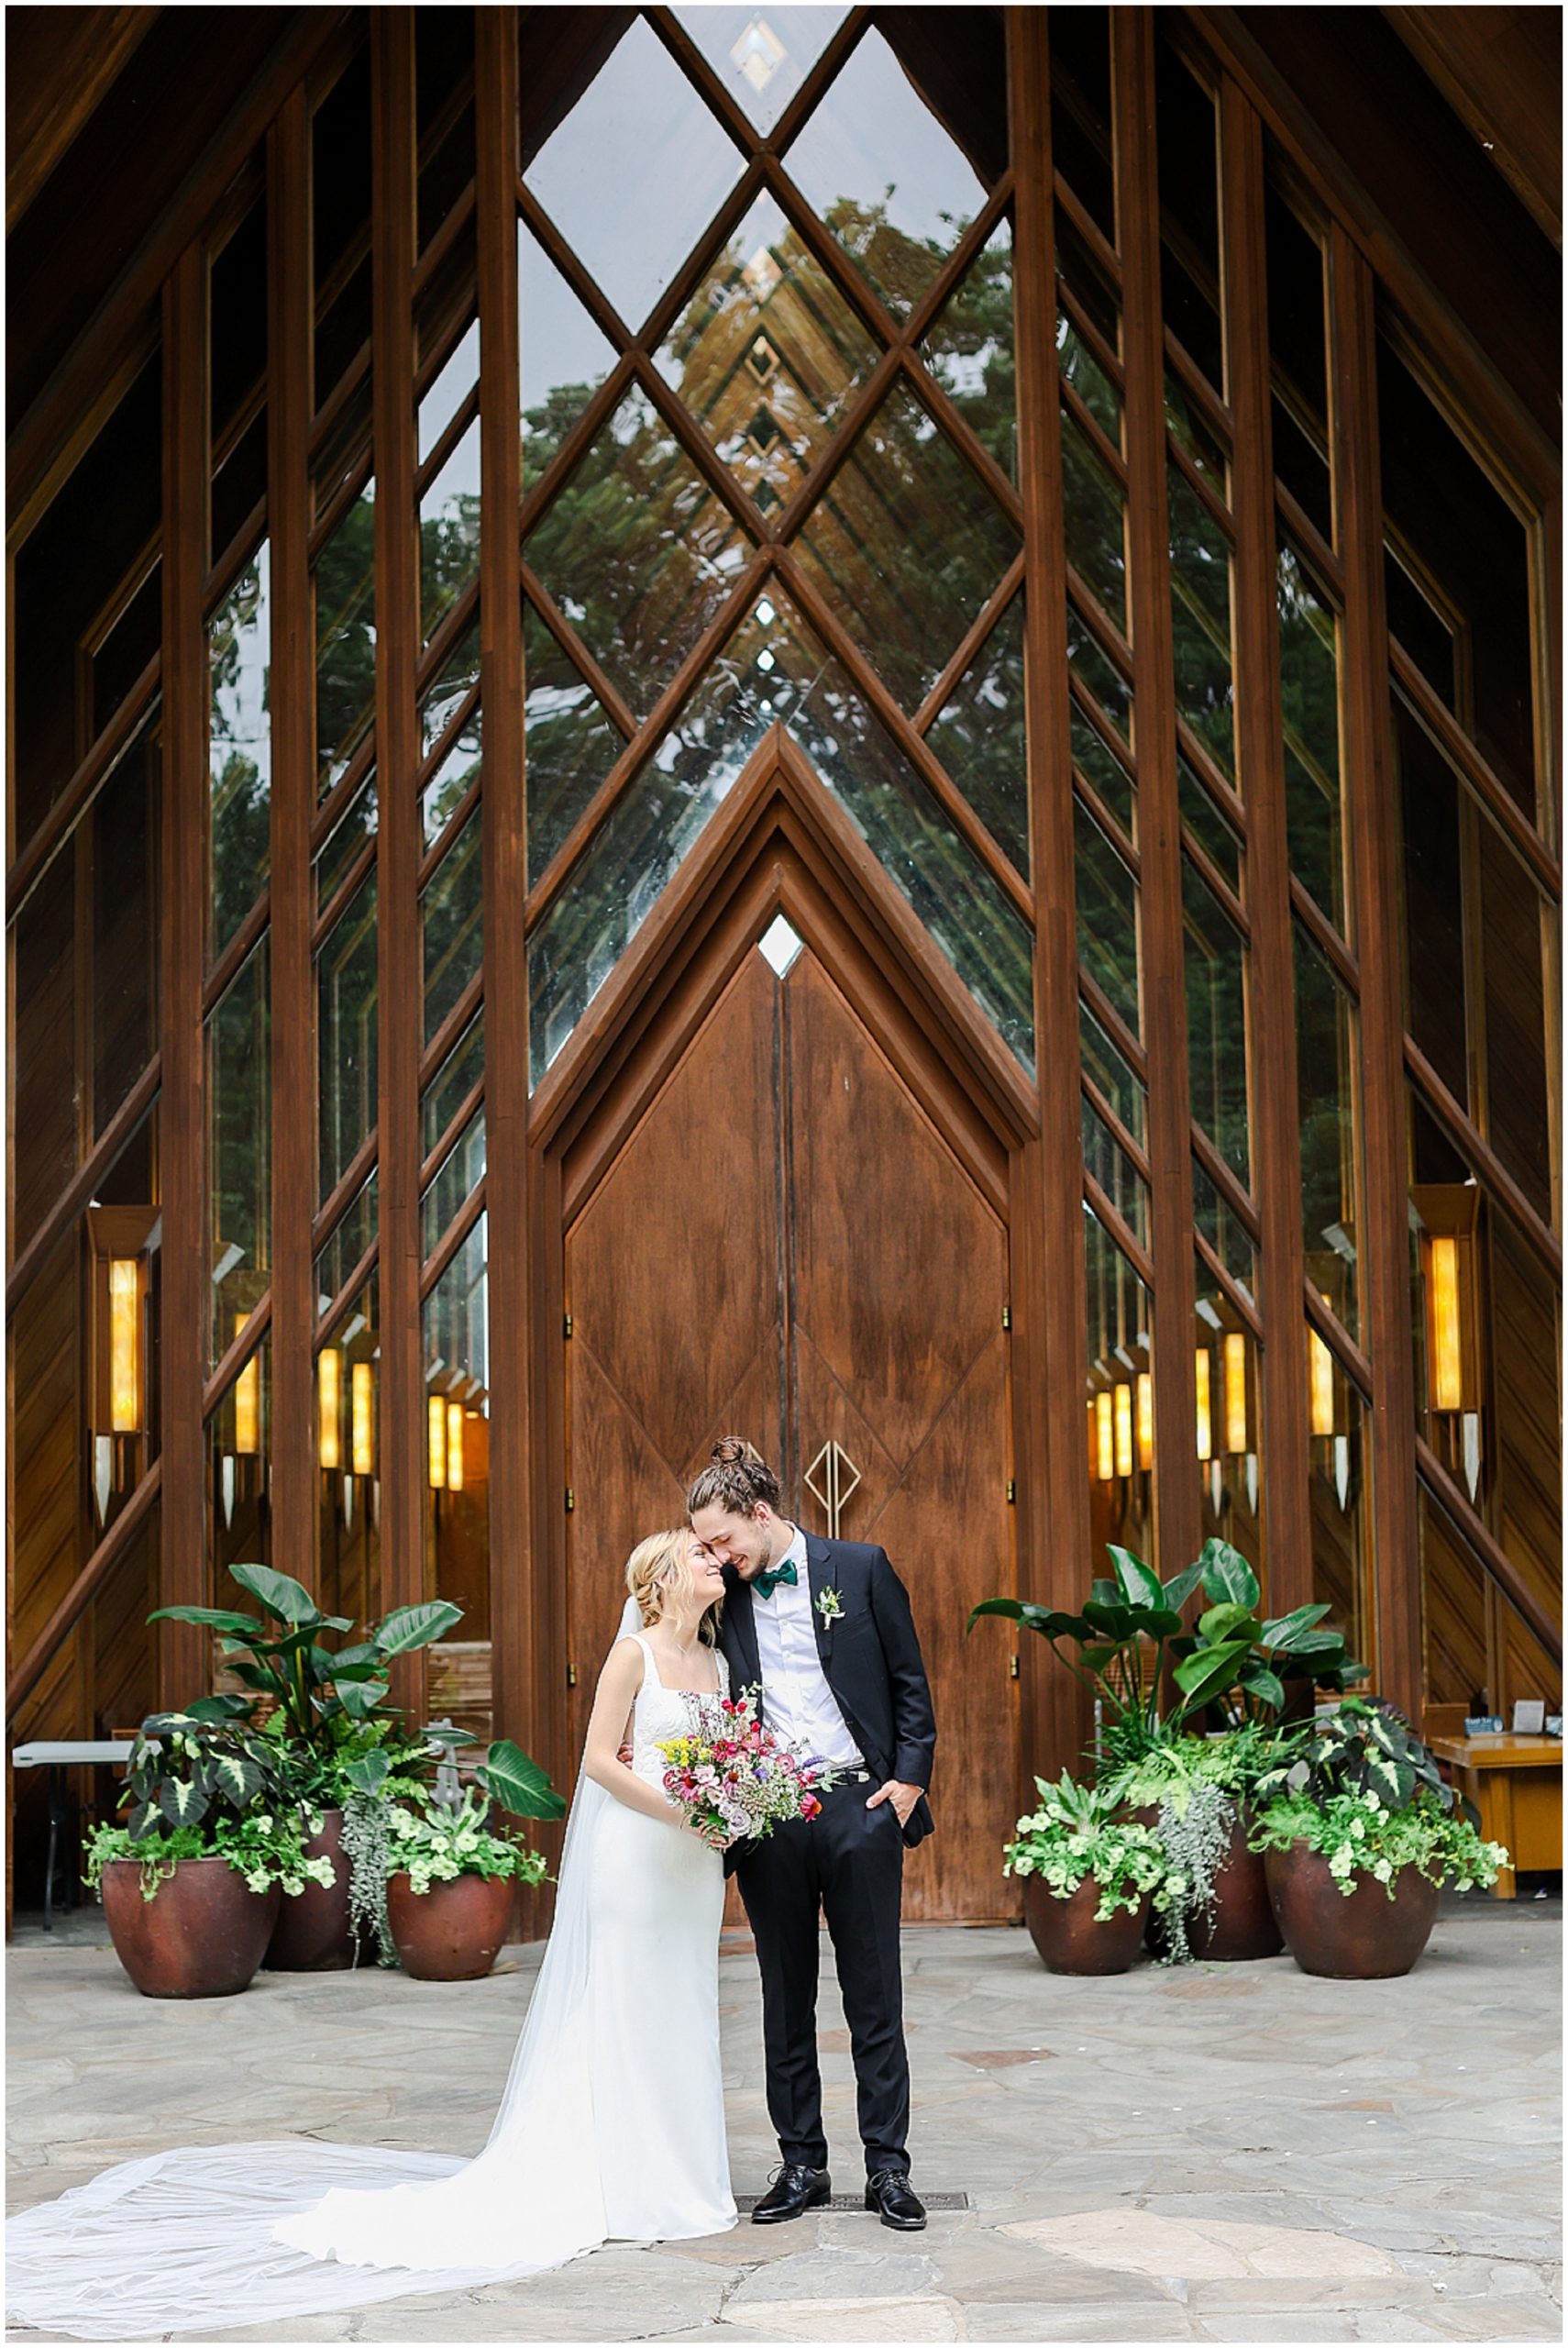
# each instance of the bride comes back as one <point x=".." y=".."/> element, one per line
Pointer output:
<point x="612" y="2125"/>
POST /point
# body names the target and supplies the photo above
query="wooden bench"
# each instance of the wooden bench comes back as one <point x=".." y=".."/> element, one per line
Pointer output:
<point x="1515" y="1783"/>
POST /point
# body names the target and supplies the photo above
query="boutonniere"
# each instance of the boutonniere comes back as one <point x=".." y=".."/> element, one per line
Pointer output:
<point x="830" y="1606"/>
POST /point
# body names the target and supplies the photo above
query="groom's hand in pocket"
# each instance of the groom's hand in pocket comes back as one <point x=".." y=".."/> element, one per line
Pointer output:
<point x="903" y="1797"/>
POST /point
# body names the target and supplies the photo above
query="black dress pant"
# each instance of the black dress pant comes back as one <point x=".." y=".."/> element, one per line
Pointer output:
<point x="849" y="1863"/>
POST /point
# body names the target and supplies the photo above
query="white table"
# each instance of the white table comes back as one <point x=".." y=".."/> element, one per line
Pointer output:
<point x="57" y="1754"/>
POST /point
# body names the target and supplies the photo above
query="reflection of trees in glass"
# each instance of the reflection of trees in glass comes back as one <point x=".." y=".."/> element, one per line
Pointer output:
<point x="1216" y="1021"/>
<point x="1200" y="617"/>
<point x="240" y="752"/>
<point x="571" y="745"/>
<point x="978" y="736"/>
<point x="1323" y="1060"/>
<point x="345" y="1032"/>
<point x="240" y="1154"/>
<point x="449" y="532"/>
<point x="969" y="349"/>
<point x="450" y="913"/>
<point x="345" y="637"/>
<point x="1309" y="671"/>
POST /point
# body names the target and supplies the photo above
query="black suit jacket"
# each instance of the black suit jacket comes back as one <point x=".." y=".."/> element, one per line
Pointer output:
<point x="870" y="1658"/>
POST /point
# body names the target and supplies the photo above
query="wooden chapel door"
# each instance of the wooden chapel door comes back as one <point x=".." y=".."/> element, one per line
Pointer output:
<point x="784" y="1246"/>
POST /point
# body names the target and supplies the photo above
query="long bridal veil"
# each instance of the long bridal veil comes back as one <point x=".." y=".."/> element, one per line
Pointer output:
<point x="205" y="2236"/>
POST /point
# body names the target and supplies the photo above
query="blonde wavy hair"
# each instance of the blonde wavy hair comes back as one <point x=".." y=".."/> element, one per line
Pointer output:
<point x="659" y="1570"/>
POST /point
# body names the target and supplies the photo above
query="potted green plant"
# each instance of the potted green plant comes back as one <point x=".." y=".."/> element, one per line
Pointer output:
<point x="1089" y="1873"/>
<point x="192" y="1882"/>
<point x="1193" y="1792"/>
<point x="1359" y="1835"/>
<point x="451" y="1876"/>
<point x="328" y="1707"/>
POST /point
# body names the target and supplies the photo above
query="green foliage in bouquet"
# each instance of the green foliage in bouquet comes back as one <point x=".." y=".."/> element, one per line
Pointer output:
<point x="1077" y="1833"/>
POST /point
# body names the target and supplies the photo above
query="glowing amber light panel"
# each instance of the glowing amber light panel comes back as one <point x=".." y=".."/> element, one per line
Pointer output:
<point x="247" y="1400"/>
<point x="362" y="1410"/>
<point x="454" y="1446"/>
<point x="1205" y="1411"/>
<point x="1124" y="1430"/>
<point x="438" y="1421"/>
<point x="1320" y="1383"/>
<point x="328" y="1389"/>
<point x="1145" y="1419"/>
<point x="125" y="1345"/>
<point x="1235" y="1390"/>
<point x="1443" y="1273"/>
<point x="1105" y="1440"/>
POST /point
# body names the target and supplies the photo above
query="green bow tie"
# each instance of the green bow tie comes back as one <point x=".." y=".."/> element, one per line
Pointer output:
<point x="766" y="1584"/>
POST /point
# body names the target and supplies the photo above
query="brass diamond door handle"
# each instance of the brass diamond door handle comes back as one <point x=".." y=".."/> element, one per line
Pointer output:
<point x="833" y="1463"/>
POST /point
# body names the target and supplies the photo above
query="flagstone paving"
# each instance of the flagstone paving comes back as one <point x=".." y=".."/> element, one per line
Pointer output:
<point x="1226" y="2153"/>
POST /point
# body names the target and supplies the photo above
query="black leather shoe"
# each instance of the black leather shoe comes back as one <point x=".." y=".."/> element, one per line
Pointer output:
<point x="889" y="2193"/>
<point x="792" y="2190"/>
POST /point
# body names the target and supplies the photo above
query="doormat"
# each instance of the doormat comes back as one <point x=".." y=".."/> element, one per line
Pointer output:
<point x="746" y="2202"/>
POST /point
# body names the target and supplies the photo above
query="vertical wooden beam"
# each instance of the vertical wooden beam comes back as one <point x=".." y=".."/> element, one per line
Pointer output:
<point x="1374" y="815"/>
<point x="399" y="992"/>
<point x="1260" y="749"/>
<point x="289" y="339"/>
<point x="184" y="1301"/>
<point x="511" y="1597"/>
<point x="1178" y="1518"/>
<point x="1049" y="1308"/>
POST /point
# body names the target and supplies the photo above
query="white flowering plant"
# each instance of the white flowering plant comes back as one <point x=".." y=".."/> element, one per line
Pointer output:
<point x="1360" y="1834"/>
<point x="264" y="1846"/>
<point x="437" y="1841"/>
<point x="1076" y="1834"/>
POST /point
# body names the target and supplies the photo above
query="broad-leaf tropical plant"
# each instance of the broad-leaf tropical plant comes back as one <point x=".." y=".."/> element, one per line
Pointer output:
<point x="184" y="1769"/>
<point x="1243" y="1662"/>
<point x="1358" y="1748"/>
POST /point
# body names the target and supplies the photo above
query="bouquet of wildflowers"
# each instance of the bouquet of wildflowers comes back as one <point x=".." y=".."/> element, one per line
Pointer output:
<point x="736" y="1778"/>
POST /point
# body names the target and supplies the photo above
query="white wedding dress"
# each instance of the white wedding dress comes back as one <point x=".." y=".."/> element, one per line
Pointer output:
<point x="612" y="2126"/>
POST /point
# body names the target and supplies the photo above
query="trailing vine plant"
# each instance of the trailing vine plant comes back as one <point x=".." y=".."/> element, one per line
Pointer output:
<point x="1194" y="1835"/>
<point x="367" y="1842"/>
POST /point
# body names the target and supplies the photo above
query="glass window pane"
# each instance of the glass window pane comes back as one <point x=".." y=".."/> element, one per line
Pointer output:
<point x="239" y="1151"/>
<point x="1110" y="1167"/>
<point x="340" y="218"/>
<point x="457" y="1465"/>
<point x="768" y="354"/>
<point x="1094" y="520"/>
<point x="1108" y="917"/>
<point x="351" y="1234"/>
<point x="453" y="1183"/>
<point x="439" y="704"/>
<point x="239" y="1452"/>
<point x="346" y="1034"/>
<point x="969" y="349"/>
<point x="1120" y="1413"/>
<point x="345" y="638"/>
<point x="563" y="356"/>
<point x="1326" y="1073"/>
<point x="453" y="1081"/>
<point x="450" y="910"/>
<point x="1083" y="371"/>
<point x="348" y="1461"/>
<point x="1216" y="1019"/>
<point x="762" y="59"/>
<point x="571" y="744"/>
<point x="633" y="225"/>
<point x="457" y="376"/>
<point x="1223" y="1229"/>
<point x="1340" y="1497"/>
<point x="979" y="736"/>
<point x="1203" y="821"/>
<point x="123" y="831"/>
<point x="239" y="749"/>
<point x="1081" y="147"/>
<point x="454" y="776"/>
<point x="637" y="552"/>
<point x="1093" y="669"/>
<point x="906" y="545"/>
<point x="1200" y="621"/>
<point x="449" y="531"/>
<point x="1297" y="335"/>
<point x="1229" y="1475"/>
<point x="1309" y="691"/>
<point x="1105" y="773"/>
<point x="1187" y="423"/>
<point x="1114" y="1075"/>
<point x="344" y="841"/>
<point x="884" y="175"/>
<point x="774" y="667"/>
<point x="1190" y="212"/>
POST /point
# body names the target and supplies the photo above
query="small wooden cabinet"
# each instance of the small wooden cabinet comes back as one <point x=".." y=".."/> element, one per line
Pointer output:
<point x="1515" y="1783"/>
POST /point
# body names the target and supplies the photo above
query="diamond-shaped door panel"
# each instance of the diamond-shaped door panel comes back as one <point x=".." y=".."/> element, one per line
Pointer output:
<point x="762" y="55"/>
<point x="638" y="551"/>
<point x="877" y="167"/>
<point x="906" y="545"/>
<point x="635" y="171"/>
<point x="768" y="354"/>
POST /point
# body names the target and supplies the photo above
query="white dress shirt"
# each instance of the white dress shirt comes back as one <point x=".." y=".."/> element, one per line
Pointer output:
<point x="799" y="1705"/>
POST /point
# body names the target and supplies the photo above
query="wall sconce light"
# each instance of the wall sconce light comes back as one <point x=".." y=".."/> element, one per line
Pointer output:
<point x="1320" y="1383"/>
<point x="1105" y="1438"/>
<point x="247" y="1400"/>
<point x="1448" y="1215"/>
<point x="436" y="1409"/>
<point x="1145" y="1419"/>
<point x="1235" y="1390"/>
<point x="1123" y="1428"/>
<point x="454" y="1446"/>
<point x="120" y="1239"/>
<point x="1205" y="1406"/>
<point x="362" y="1417"/>
<point x="329" y="1400"/>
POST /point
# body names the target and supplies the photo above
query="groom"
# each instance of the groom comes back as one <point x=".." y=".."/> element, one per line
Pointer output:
<point x="824" y="1628"/>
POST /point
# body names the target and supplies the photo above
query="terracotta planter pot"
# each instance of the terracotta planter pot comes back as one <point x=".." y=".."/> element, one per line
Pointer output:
<point x="1069" y="1936"/>
<point x="454" y="1932"/>
<point x="199" y="1936"/>
<point x="1364" y="1937"/>
<point x="1245" y="1926"/>
<point x="313" y="1933"/>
